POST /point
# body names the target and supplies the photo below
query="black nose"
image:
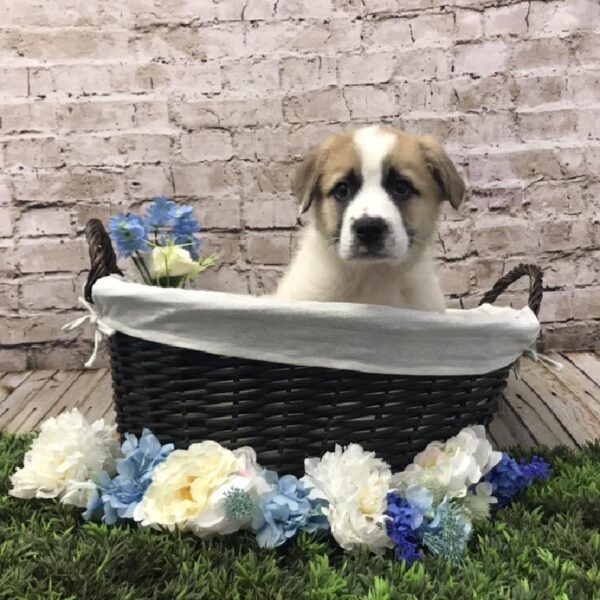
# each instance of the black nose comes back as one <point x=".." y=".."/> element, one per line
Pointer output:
<point x="370" y="230"/>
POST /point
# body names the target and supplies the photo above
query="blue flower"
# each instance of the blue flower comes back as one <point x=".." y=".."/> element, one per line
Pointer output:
<point x="129" y="232"/>
<point x="189" y="243"/>
<point x="119" y="496"/>
<point x="184" y="222"/>
<point x="184" y="227"/>
<point x="281" y="513"/>
<point x="403" y="523"/>
<point x="538" y="469"/>
<point x="160" y="213"/>
<point x="509" y="477"/>
<point x="449" y="531"/>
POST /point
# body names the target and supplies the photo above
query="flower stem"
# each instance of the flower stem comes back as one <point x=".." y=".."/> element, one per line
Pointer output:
<point x="140" y="270"/>
<point x="143" y="266"/>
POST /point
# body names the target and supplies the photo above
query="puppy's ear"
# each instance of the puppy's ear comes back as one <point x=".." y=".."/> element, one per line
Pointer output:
<point x="443" y="171"/>
<point x="306" y="181"/>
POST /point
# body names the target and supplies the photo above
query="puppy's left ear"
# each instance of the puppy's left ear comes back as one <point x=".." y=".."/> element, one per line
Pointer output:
<point x="306" y="181"/>
<point x="443" y="171"/>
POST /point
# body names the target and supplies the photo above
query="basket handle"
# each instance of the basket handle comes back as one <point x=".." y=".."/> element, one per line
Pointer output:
<point x="535" y="285"/>
<point x="102" y="256"/>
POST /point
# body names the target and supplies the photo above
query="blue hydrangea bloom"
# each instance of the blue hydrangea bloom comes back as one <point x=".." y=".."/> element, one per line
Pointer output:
<point x="509" y="477"/>
<point x="160" y="213"/>
<point x="281" y="513"/>
<point x="403" y="523"/>
<point x="119" y="496"/>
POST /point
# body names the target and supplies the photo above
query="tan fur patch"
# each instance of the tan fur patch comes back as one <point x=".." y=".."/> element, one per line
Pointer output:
<point x="337" y="156"/>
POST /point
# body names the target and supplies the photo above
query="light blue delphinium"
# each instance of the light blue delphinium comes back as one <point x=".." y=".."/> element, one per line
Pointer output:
<point x="130" y="234"/>
<point x="118" y="497"/>
<point x="160" y="213"/>
<point x="184" y="228"/>
<point x="280" y="514"/>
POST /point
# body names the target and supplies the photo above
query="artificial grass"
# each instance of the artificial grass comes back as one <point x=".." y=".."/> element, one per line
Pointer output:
<point x="545" y="546"/>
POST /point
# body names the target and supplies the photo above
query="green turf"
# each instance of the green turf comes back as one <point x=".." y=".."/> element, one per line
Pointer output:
<point x="545" y="546"/>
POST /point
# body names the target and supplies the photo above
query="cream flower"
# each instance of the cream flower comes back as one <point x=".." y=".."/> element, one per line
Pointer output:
<point x="188" y="489"/>
<point x="172" y="261"/>
<point x="355" y="483"/>
<point x="451" y="467"/>
<point x="67" y="451"/>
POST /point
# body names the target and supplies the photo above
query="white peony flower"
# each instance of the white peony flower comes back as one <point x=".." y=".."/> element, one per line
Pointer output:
<point x="355" y="483"/>
<point x="189" y="488"/>
<point x="67" y="451"/>
<point x="451" y="467"/>
<point x="172" y="261"/>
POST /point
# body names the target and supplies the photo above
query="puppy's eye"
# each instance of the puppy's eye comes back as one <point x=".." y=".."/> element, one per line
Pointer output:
<point x="401" y="189"/>
<point x="341" y="191"/>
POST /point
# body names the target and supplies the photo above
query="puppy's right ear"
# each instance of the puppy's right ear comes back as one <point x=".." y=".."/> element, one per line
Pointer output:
<point x="306" y="180"/>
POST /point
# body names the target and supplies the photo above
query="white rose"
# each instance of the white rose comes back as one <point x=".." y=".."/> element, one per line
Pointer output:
<point x="172" y="261"/>
<point x="355" y="483"/>
<point x="67" y="451"/>
<point x="213" y="519"/>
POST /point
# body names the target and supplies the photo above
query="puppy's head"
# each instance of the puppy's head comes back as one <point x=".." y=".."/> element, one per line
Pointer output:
<point x="375" y="193"/>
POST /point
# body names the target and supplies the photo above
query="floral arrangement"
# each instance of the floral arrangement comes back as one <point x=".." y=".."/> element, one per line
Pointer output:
<point x="433" y="505"/>
<point x="162" y="243"/>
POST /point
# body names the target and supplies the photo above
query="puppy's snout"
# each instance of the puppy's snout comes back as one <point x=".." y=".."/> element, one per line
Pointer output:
<point x="370" y="230"/>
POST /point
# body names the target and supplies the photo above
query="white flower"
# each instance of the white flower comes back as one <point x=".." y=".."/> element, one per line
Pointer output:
<point x="172" y="261"/>
<point x="67" y="451"/>
<point x="80" y="493"/>
<point x="479" y="502"/>
<point x="188" y="489"/>
<point x="450" y="468"/>
<point x="212" y="520"/>
<point x="355" y="483"/>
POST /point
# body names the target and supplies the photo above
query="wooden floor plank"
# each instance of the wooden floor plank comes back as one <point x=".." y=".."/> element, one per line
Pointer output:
<point x="587" y="362"/>
<point x="562" y="402"/>
<point x="99" y="400"/>
<point x="543" y="425"/>
<point x="110" y="416"/>
<point x="581" y="386"/>
<point x="20" y="397"/>
<point x="519" y="434"/>
<point x="38" y="407"/>
<point x="503" y="433"/>
<point x="77" y="394"/>
<point x="10" y="382"/>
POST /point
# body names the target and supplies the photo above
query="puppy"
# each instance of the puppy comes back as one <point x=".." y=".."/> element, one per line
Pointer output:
<point x="374" y="197"/>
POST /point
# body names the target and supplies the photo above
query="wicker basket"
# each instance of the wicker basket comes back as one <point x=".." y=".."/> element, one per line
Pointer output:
<point x="286" y="412"/>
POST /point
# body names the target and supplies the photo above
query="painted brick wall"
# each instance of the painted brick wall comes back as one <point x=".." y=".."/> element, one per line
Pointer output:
<point x="106" y="104"/>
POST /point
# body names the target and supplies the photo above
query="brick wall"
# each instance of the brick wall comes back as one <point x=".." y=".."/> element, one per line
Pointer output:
<point x="106" y="104"/>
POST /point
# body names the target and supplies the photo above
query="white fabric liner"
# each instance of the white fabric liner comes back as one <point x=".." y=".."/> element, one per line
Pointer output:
<point x="368" y="338"/>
